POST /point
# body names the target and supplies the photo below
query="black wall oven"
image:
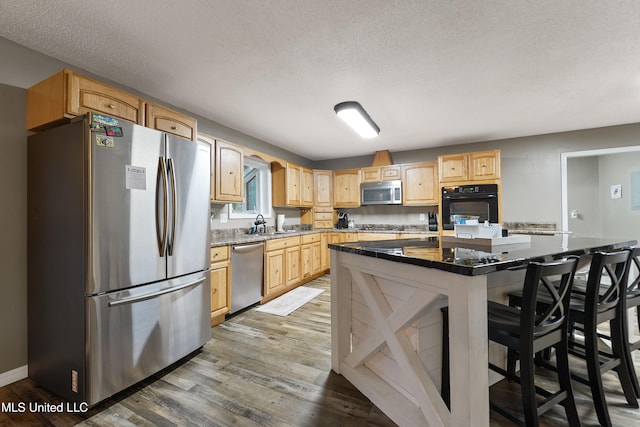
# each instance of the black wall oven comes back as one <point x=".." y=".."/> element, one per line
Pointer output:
<point x="477" y="200"/>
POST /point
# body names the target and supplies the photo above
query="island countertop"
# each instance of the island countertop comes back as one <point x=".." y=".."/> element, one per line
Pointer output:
<point x="470" y="260"/>
<point x="387" y="328"/>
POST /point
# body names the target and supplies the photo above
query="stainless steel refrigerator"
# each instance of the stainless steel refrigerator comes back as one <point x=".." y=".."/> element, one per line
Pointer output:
<point x="118" y="262"/>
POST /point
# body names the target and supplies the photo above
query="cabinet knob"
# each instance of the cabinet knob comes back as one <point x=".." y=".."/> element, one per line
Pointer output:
<point x="174" y="127"/>
<point x="112" y="106"/>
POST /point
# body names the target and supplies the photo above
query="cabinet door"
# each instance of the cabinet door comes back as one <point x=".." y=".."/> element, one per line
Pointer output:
<point x="293" y="265"/>
<point x="307" y="260"/>
<point x="219" y="288"/>
<point x="316" y="260"/>
<point x="306" y="181"/>
<point x="484" y="165"/>
<point x="323" y="183"/>
<point x="390" y="173"/>
<point x="275" y="271"/>
<point x="84" y="95"/>
<point x="346" y="188"/>
<point x="229" y="172"/>
<point x="170" y="121"/>
<point x="324" y="252"/>
<point x="371" y="174"/>
<point x="293" y="185"/>
<point x="420" y="184"/>
<point x="453" y="167"/>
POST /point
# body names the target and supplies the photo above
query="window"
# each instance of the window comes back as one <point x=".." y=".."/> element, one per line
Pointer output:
<point x="257" y="190"/>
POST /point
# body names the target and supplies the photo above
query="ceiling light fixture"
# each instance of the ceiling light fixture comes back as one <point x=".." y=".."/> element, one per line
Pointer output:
<point x="356" y="117"/>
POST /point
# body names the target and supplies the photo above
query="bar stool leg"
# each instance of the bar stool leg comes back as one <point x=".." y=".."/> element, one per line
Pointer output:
<point x="564" y="378"/>
<point x="527" y="384"/>
<point x="595" y="376"/>
<point x="620" y="349"/>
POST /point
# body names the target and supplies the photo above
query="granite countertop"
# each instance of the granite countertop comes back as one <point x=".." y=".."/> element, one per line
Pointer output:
<point x="239" y="237"/>
<point x="470" y="261"/>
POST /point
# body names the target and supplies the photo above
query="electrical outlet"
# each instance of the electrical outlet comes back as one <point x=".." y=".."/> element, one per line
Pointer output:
<point x="224" y="218"/>
<point x="422" y="217"/>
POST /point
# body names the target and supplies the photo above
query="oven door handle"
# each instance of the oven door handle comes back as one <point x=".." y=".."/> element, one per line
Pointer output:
<point x="470" y="197"/>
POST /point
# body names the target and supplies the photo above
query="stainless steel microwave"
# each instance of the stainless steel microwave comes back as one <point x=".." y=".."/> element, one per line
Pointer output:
<point x="381" y="193"/>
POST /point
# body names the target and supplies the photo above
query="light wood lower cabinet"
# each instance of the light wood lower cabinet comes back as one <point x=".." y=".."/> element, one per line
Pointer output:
<point x="220" y="282"/>
<point x="310" y="252"/>
<point x="293" y="261"/>
<point x="275" y="272"/>
<point x="282" y="265"/>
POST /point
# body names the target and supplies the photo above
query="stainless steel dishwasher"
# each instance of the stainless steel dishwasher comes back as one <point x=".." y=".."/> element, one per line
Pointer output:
<point x="247" y="274"/>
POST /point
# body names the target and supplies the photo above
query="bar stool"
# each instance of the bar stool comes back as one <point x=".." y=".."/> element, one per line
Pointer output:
<point x="590" y="306"/>
<point x="527" y="331"/>
<point x="633" y="301"/>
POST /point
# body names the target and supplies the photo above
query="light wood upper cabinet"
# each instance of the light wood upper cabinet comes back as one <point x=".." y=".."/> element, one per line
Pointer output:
<point x="476" y="166"/>
<point x="420" y="184"/>
<point x="484" y="165"/>
<point x="453" y="167"/>
<point x="66" y="94"/>
<point x="380" y="173"/>
<point x="323" y="184"/>
<point x="166" y="120"/>
<point x="346" y="188"/>
<point x="371" y="174"/>
<point x="306" y="187"/>
<point x="229" y="172"/>
<point x="286" y="184"/>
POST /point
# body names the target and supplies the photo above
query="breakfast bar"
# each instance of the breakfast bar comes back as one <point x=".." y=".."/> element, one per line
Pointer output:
<point x="386" y="322"/>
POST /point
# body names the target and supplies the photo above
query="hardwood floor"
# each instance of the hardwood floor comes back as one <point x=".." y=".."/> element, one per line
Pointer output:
<point x="264" y="370"/>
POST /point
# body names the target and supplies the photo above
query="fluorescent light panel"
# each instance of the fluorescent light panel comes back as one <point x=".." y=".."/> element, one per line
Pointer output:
<point x="355" y="116"/>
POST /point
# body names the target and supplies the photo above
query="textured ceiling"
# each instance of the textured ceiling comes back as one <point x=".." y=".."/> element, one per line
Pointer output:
<point x="430" y="72"/>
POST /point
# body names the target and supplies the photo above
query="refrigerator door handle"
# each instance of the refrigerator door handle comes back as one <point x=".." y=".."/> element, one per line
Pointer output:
<point x="174" y="206"/>
<point x="162" y="240"/>
<point x="139" y="298"/>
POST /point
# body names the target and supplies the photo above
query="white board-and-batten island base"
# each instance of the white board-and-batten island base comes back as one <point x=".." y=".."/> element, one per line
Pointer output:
<point x="386" y="322"/>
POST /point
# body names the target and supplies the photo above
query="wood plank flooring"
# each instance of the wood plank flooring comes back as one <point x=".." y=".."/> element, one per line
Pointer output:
<point x="264" y="370"/>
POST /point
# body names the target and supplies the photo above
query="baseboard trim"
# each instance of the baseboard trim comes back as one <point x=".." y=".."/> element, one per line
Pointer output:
<point x="14" y="375"/>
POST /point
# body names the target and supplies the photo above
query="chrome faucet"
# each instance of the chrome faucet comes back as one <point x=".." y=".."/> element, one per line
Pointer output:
<point x="260" y="222"/>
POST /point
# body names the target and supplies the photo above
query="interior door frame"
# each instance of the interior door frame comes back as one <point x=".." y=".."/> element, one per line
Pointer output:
<point x="564" y="157"/>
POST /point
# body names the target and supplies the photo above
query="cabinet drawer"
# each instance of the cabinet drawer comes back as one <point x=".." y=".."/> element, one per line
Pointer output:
<point x="310" y="238"/>
<point x="323" y="216"/>
<point x="170" y="121"/>
<point x="323" y="225"/>
<point x="273" y="245"/>
<point x="320" y="209"/>
<point x="86" y="95"/>
<point x="370" y="174"/>
<point x="390" y="173"/>
<point x="219" y="253"/>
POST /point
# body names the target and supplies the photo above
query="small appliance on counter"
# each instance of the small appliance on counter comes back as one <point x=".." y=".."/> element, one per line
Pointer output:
<point x="280" y="223"/>
<point x="343" y="220"/>
<point x="432" y="218"/>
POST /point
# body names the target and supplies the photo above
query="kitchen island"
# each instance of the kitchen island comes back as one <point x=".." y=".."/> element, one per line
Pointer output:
<point x="386" y="321"/>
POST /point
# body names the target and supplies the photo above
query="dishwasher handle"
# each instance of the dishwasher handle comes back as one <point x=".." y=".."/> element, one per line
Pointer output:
<point x="247" y="248"/>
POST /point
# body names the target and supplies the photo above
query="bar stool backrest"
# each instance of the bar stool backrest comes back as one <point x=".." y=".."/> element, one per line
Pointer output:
<point x="535" y="321"/>
<point x="600" y="296"/>
<point x="633" y="281"/>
